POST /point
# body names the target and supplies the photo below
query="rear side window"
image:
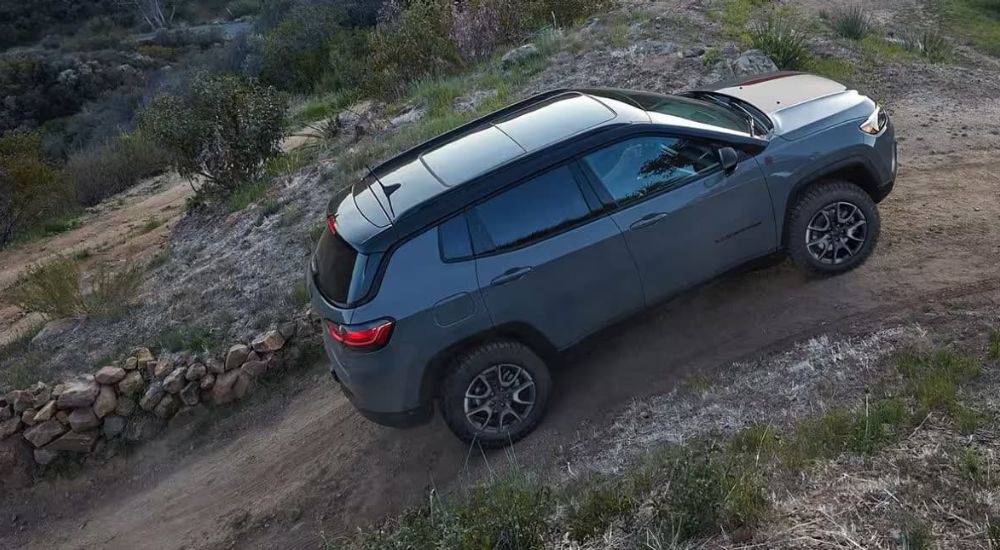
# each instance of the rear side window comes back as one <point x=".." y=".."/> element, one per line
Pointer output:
<point x="336" y="261"/>
<point x="529" y="212"/>
<point x="454" y="237"/>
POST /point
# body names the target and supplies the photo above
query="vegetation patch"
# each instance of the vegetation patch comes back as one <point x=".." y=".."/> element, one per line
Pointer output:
<point x="853" y="22"/>
<point x="57" y="289"/>
<point x="778" y="36"/>
<point x="977" y="21"/>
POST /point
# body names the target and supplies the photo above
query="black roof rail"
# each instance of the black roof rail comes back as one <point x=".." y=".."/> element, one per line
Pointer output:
<point x="416" y="150"/>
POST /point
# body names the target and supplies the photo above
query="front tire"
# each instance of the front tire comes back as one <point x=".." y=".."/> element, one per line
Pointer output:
<point x="832" y="229"/>
<point x="496" y="394"/>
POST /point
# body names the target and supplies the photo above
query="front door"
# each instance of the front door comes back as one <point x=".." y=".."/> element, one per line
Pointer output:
<point x="684" y="218"/>
<point x="548" y="259"/>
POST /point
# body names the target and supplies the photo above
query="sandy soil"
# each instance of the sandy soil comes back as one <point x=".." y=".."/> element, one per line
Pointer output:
<point x="301" y="462"/>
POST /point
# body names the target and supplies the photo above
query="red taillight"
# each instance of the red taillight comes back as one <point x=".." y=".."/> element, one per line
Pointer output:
<point x="368" y="336"/>
<point x="331" y="223"/>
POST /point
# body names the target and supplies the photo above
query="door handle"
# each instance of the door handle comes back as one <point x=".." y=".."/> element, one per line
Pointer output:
<point x="510" y="276"/>
<point x="648" y="220"/>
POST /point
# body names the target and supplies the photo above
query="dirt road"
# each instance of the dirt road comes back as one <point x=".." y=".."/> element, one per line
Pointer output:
<point x="300" y="462"/>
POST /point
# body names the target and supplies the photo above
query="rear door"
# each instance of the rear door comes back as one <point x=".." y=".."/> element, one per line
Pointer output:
<point x="684" y="218"/>
<point x="547" y="257"/>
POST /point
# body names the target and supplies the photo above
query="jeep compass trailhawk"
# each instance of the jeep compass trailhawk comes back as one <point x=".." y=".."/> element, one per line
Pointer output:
<point x="452" y="274"/>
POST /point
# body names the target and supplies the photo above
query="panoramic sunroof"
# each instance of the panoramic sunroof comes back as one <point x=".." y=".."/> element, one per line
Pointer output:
<point x="555" y="119"/>
<point x="472" y="155"/>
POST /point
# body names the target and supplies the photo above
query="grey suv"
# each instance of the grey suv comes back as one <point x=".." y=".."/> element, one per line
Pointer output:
<point x="454" y="273"/>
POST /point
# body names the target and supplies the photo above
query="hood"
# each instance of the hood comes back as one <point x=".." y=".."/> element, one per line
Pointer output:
<point x="797" y="103"/>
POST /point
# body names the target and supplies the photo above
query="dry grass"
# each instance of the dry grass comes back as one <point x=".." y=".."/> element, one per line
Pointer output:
<point x="57" y="289"/>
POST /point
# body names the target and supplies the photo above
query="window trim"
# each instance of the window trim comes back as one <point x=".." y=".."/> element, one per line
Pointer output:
<point x="477" y="229"/>
<point x="610" y="204"/>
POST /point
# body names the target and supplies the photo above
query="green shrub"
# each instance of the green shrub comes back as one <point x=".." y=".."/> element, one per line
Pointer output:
<point x="347" y="63"/>
<point x="112" y="168"/>
<point x="414" y="45"/>
<point x="480" y="26"/>
<point x="933" y="378"/>
<point x="240" y="8"/>
<point x="776" y="35"/>
<point x="596" y="508"/>
<point x="55" y="289"/>
<point x="994" y="349"/>
<point x="31" y="191"/>
<point x="929" y="43"/>
<point x="852" y="22"/>
<point x="223" y="132"/>
<point x="296" y="52"/>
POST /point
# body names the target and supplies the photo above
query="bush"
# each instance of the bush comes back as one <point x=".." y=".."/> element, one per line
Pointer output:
<point x="296" y="52"/>
<point x="223" y="132"/>
<point x="240" y="8"/>
<point x="565" y="12"/>
<point x="31" y="191"/>
<point x="416" y="44"/>
<point x="851" y="22"/>
<point x="478" y="27"/>
<point x="55" y="290"/>
<point x="929" y="43"/>
<point x="108" y="169"/>
<point x="777" y="37"/>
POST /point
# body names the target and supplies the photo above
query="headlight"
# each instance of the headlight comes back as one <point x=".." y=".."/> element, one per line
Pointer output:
<point x="875" y="123"/>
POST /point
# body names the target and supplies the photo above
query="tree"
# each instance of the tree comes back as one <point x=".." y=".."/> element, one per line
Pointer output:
<point x="30" y="189"/>
<point x="222" y="132"/>
<point x="158" y="14"/>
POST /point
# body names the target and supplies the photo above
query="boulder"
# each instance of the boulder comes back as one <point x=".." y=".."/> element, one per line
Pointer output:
<point x="9" y="427"/>
<point x="174" y="381"/>
<point x="43" y="433"/>
<point x="519" y="55"/>
<point x="753" y="62"/>
<point x="113" y="426"/>
<point x="143" y="357"/>
<point x="222" y="392"/>
<point x="131" y="384"/>
<point x="46" y="412"/>
<point x="74" y="442"/>
<point x="126" y="406"/>
<point x="154" y="393"/>
<point x="236" y="356"/>
<point x="216" y="367"/>
<point x="77" y="394"/>
<point x="254" y="369"/>
<point x="106" y="402"/>
<point x="58" y="390"/>
<point x="268" y="342"/>
<point x="189" y="395"/>
<point x="62" y="417"/>
<point x="42" y="394"/>
<point x="109" y="375"/>
<point x="131" y="363"/>
<point x="207" y="382"/>
<point x="287" y="330"/>
<point x="243" y="386"/>
<point x="167" y="407"/>
<point x="6" y="412"/>
<point x="196" y="371"/>
<point x="143" y="428"/>
<point x="44" y="457"/>
<point x="28" y="417"/>
<point x="21" y="400"/>
<point x="81" y="420"/>
<point x="162" y="369"/>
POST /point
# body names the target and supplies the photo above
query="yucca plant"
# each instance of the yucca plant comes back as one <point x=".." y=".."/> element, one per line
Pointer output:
<point x="852" y="22"/>
<point x="777" y="37"/>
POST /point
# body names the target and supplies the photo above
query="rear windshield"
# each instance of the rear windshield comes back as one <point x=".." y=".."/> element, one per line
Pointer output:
<point x="335" y="264"/>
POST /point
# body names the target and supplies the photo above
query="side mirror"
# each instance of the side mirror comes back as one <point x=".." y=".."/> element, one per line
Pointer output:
<point x="729" y="158"/>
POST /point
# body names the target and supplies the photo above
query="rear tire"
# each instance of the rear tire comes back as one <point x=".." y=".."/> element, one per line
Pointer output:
<point x="495" y="394"/>
<point x="832" y="229"/>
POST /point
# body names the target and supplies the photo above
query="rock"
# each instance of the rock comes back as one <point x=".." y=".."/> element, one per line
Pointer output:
<point x="189" y="395"/>
<point x="57" y="328"/>
<point x="6" y="413"/>
<point x="287" y="330"/>
<point x="9" y="427"/>
<point x="21" y="400"/>
<point x="81" y="420"/>
<point x="254" y="356"/>
<point x="42" y="434"/>
<point x="472" y="101"/>
<point x="77" y="394"/>
<point x="131" y="363"/>
<point x="408" y="117"/>
<point x="113" y="425"/>
<point x="216" y="367"/>
<point x="207" y="382"/>
<point x="62" y="417"/>
<point x="109" y="375"/>
<point x="74" y="442"/>
<point x="254" y="369"/>
<point x="222" y="392"/>
<point x="167" y="407"/>
<point x="518" y="55"/>
<point x="42" y="394"/>
<point x="143" y="357"/>
<point x="44" y="457"/>
<point x="236" y="356"/>
<point x="143" y="428"/>
<point x="154" y="393"/>
<point x="196" y="371"/>
<point x="46" y="412"/>
<point x="753" y="62"/>
<point x="106" y="401"/>
<point x="28" y="417"/>
<point x="162" y="369"/>
<point x="131" y="384"/>
<point x="58" y="390"/>
<point x="126" y="406"/>
<point x="243" y="386"/>
<point x="693" y="52"/>
<point x="175" y="380"/>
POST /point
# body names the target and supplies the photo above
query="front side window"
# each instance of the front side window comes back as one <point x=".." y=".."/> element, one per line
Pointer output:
<point x="531" y="211"/>
<point x="633" y="169"/>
